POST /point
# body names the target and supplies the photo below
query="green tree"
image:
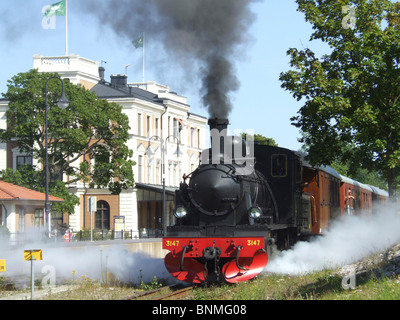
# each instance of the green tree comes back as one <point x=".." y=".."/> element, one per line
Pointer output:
<point x="351" y="95"/>
<point x="260" y="139"/>
<point x="359" y="174"/>
<point x="87" y="141"/>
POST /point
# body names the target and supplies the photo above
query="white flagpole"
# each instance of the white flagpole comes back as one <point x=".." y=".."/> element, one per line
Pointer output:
<point x="66" y="27"/>
<point x="143" y="56"/>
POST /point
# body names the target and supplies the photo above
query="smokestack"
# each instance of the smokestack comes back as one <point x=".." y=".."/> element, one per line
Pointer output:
<point x="119" y="80"/>
<point x="218" y="131"/>
<point x="217" y="123"/>
<point x="101" y="73"/>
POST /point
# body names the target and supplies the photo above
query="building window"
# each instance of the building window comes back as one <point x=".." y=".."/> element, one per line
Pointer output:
<point x="139" y="124"/>
<point x="170" y="176"/>
<point x="158" y="172"/>
<point x="175" y="174"/>
<point x="102" y="217"/>
<point x="148" y="126"/>
<point x="198" y="138"/>
<point x="39" y="219"/>
<point x="21" y="220"/>
<point x="177" y="125"/>
<point x="21" y="160"/>
<point x="140" y="169"/>
<point x="157" y="126"/>
<point x="149" y="171"/>
<point x="192" y="137"/>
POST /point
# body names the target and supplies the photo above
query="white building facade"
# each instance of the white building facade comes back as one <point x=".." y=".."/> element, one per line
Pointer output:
<point x="164" y="134"/>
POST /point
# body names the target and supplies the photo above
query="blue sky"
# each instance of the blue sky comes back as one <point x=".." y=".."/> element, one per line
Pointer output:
<point x="260" y="104"/>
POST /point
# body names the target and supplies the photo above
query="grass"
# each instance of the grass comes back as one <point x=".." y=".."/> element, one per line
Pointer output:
<point x="83" y="288"/>
<point x="322" y="285"/>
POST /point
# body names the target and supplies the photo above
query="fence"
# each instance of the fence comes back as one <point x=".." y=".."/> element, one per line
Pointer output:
<point x="84" y="235"/>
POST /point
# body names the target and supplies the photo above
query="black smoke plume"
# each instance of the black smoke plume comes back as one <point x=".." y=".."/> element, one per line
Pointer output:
<point x="208" y="35"/>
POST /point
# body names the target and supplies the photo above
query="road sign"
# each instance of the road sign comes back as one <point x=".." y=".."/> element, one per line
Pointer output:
<point x="92" y="203"/>
<point x="32" y="255"/>
<point x="2" y="265"/>
<point x="92" y="207"/>
<point x="36" y="254"/>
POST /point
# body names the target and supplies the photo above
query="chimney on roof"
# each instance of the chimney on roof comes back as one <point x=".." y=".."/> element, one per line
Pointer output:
<point x="119" y="80"/>
<point x="101" y="73"/>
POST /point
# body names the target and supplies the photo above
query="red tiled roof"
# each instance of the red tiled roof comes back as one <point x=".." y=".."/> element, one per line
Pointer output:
<point x="9" y="191"/>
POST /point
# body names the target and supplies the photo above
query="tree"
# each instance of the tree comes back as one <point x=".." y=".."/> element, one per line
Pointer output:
<point x="260" y="139"/>
<point x="351" y="95"/>
<point x="359" y="174"/>
<point x="87" y="141"/>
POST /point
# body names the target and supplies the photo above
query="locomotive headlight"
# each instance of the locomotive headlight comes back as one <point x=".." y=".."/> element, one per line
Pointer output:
<point x="255" y="212"/>
<point x="180" y="212"/>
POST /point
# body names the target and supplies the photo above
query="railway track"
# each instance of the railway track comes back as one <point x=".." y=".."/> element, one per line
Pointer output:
<point x="152" y="294"/>
<point x="175" y="294"/>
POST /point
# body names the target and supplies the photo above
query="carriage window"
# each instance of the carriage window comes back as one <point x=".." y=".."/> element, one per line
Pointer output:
<point x="278" y="165"/>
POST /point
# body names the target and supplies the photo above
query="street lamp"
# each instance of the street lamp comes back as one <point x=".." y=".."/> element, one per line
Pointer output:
<point x="163" y="150"/>
<point x="62" y="103"/>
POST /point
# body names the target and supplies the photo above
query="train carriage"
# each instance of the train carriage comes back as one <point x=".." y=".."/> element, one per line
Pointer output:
<point x="322" y="184"/>
<point x="379" y="198"/>
<point x="355" y="197"/>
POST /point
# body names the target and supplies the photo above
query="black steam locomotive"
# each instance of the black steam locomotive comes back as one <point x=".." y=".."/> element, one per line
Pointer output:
<point x="242" y="202"/>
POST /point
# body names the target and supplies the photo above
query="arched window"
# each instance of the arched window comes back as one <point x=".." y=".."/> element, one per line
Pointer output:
<point x="102" y="217"/>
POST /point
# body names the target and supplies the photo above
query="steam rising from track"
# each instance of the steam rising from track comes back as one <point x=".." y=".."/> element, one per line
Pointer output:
<point x="198" y="34"/>
<point x="346" y="242"/>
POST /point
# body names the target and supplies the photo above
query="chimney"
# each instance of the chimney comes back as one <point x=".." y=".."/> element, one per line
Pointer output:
<point x="119" y="80"/>
<point x="217" y="123"/>
<point x="219" y="138"/>
<point x="101" y="73"/>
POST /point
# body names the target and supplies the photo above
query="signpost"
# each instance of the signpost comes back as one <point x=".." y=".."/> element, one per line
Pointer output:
<point x="32" y="255"/>
<point x="92" y="204"/>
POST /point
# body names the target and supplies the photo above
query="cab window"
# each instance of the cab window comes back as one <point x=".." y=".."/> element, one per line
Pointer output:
<point x="278" y="165"/>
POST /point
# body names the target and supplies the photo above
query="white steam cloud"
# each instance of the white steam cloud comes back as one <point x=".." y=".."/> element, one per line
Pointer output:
<point x="347" y="240"/>
<point x="97" y="262"/>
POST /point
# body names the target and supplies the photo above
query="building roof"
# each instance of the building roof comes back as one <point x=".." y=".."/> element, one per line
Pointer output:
<point x="105" y="90"/>
<point x="9" y="191"/>
<point x="156" y="188"/>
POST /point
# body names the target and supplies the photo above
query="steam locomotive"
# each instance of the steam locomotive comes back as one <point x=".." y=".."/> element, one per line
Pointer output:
<point x="246" y="200"/>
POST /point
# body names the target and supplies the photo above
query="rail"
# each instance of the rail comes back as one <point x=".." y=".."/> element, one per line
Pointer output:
<point x="176" y="291"/>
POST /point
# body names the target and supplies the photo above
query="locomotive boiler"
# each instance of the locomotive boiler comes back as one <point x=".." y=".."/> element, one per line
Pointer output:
<point x="222" y="215"/>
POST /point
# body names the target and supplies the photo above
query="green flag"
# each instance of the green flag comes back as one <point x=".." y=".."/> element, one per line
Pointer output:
<point x="58" y="8"/>
<point x="138" y="42"/>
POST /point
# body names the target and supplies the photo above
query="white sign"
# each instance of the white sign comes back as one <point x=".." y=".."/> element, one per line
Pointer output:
<point x="92" y="203"/>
